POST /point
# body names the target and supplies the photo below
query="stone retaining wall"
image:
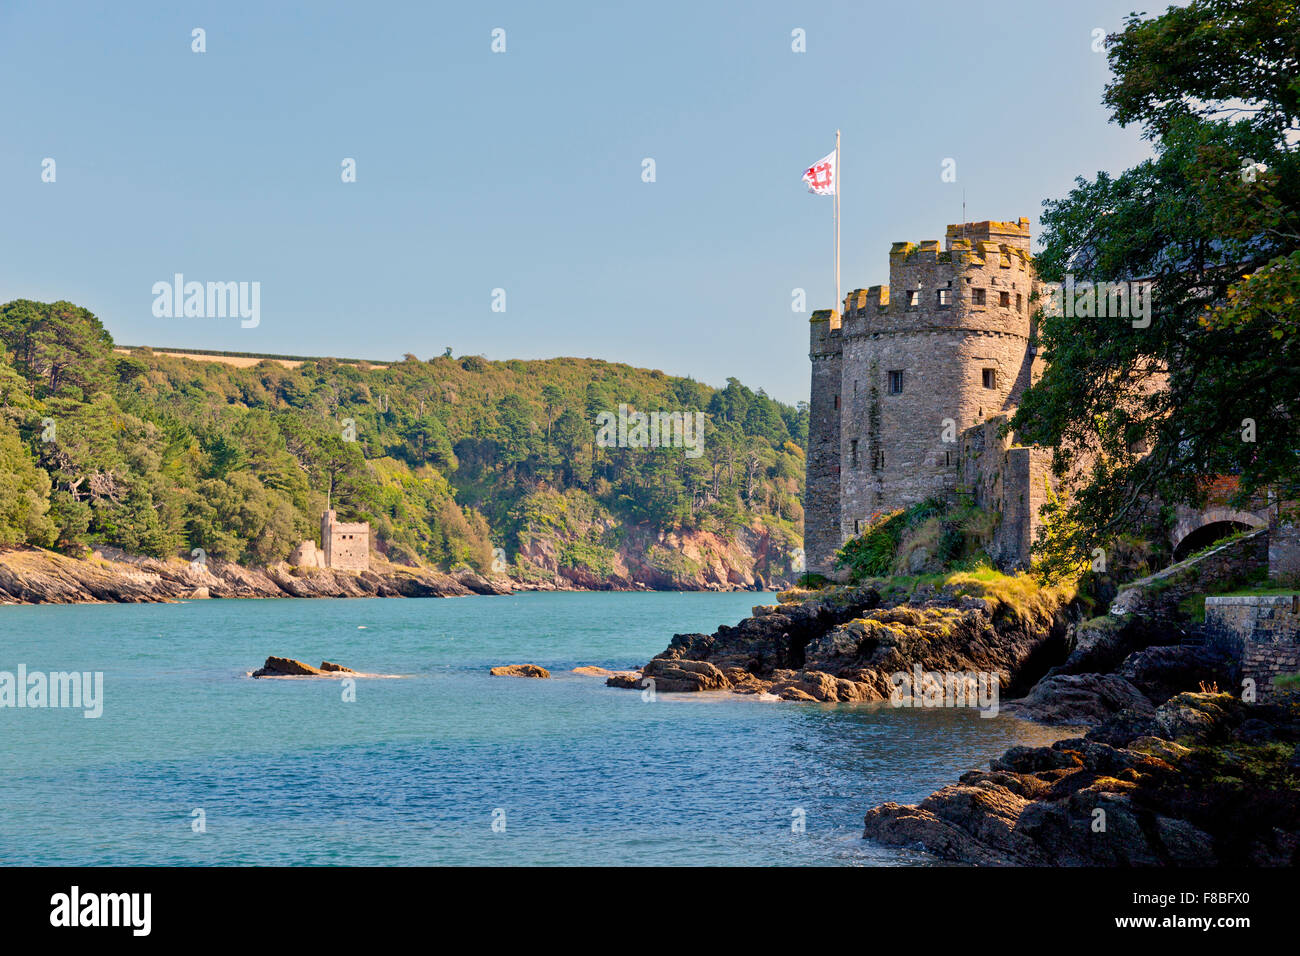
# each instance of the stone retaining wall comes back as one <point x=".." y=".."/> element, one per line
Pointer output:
<point x="1260" y="631"/>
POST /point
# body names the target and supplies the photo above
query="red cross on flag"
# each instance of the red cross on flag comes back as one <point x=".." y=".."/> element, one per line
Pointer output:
<point x="820" y="176"/>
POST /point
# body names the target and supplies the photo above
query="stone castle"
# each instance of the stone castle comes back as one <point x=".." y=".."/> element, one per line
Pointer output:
<point x="910" y="382"/>
<point x="344" y="545"/>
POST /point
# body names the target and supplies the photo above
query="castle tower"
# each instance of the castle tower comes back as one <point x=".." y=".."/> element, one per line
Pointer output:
<point x="821" y="523"/>
<point x="945" y="346"/>
<point x="345" y="545"/>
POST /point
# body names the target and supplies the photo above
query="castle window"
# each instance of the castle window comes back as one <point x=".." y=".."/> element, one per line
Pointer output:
<point x="853" y="452"/>
<point x="977" y="296"/>
<point x="895" y="383"/>
<point x="947" y="459"/>
<point x="943" y="298"/>
<point x="913" y="298"/>
<point x="990" y="378"/>
<point x="880" y="458"/>
<point x="837" y="403"/>
<point x="1004" y="299"/>
<point x="1018" y="301"/>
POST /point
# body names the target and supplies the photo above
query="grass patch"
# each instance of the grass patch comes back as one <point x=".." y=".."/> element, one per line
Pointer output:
<point x="936" y="534"/>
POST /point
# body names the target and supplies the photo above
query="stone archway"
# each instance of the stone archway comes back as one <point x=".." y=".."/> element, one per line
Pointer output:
<point x="1195" y="530"/>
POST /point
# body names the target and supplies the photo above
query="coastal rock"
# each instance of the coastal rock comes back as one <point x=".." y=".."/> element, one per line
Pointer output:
<point x="286" y="667"/>
<point x="289" y="667"/>
<point x="1078" y="699"/>
<point x="478" y="584"/>
<point x="37" y="576"/>
<point x="520" y="670"/>
<point x="628" y="680"/>
<point x="673" y="676"/>
<point x="1161" y="672"/>
<point x="842" y="645"/>
<point x="1134" y="801"/>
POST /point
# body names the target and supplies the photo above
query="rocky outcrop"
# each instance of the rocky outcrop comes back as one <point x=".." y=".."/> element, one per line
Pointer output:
<point x="520" y="670"/>
<point x="1201" y="780"/>
<point x="289" y="667"/>
<point x="36" y="576"/>
<point x="646" y="560"/>
<point x="1075" y="699"/>
<point x="844" y="644"/>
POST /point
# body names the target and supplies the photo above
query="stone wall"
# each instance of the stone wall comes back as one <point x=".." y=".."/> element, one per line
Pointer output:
<point x="1261" y="631"/>
<point x="821" y="536"/>
<point x="1284" y="554"/>
<point x="1010" y="481"/>
<point x="1229" y="565"/>
<point x="307" y="555"/>
<point x="346" y="544"/>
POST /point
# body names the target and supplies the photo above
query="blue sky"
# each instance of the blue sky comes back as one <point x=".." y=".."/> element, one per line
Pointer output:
<point x="522" y="170"/>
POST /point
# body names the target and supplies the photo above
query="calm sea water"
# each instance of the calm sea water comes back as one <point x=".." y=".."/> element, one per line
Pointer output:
<point x="415" y="770"/>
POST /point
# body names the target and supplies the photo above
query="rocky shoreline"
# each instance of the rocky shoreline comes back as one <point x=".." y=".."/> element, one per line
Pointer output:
<point x="37" y="576"/>
<point x="1171" y="772"/>
<point x="844" y="644"/>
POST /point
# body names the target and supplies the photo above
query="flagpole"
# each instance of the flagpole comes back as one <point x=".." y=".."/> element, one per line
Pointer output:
<point x="838" y="177"/>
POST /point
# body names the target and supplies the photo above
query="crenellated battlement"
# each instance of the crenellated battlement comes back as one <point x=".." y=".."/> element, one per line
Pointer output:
<point x="904" y="367"/>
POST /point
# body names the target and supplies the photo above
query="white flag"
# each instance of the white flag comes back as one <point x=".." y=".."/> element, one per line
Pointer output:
<point x="820" y="176"/>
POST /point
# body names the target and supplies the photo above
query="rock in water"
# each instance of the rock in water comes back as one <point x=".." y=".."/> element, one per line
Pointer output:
<point x="520" y="670"/>
<point x="286" y="667"/>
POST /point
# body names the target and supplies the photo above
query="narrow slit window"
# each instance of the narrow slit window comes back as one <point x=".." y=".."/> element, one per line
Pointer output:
<point x="853" y="452"/>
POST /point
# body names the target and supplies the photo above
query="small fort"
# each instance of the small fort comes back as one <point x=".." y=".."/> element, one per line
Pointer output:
<point x="344" y="545"/>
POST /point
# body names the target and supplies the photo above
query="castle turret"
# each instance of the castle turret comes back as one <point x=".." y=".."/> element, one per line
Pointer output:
<point x="946" y="345"/>
<point x="821" y="536"/>
<point x="345" y="545"/>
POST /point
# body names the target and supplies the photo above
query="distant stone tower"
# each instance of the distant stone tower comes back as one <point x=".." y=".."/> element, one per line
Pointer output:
<point x="905" y="369"/>
<point x="346" y="545"/>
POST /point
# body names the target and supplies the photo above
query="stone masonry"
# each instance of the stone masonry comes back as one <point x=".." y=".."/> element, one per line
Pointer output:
<point x="346" y="544"/>
<point x="902" y="375"/>
<point x="1261" y="631"/>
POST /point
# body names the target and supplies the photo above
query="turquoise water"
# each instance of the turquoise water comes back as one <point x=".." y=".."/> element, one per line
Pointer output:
<point x="415" y="770"/>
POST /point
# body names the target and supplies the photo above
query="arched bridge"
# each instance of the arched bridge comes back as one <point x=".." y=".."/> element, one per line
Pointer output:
<point x="1194" y="530"/>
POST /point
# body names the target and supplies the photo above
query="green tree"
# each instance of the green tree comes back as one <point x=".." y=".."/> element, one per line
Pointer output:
<point x="1212" y="385"/>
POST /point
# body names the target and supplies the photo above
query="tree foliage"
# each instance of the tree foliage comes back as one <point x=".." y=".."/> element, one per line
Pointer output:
<point x="160" y="454"/>
<point x="1141" y="413"/>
